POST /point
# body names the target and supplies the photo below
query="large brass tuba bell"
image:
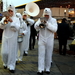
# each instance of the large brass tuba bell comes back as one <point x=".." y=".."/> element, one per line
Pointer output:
<point x="32" y="9"/>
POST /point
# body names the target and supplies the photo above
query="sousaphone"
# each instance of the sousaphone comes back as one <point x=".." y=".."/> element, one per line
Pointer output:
<point x="32" y="9"/>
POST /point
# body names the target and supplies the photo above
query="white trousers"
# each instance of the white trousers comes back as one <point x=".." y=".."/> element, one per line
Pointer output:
<point x="20" y="52"/>
<point x="45" y="50"/>
<point x="27" y="39"/>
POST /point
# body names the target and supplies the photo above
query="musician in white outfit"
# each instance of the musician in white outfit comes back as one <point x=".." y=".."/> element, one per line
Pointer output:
<point x="9" y="39"/>
<point x="29" y="23"/>
<point x="21" y="37"/>
<point x="46" y="41"/>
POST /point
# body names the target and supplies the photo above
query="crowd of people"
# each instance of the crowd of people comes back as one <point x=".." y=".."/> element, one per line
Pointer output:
<point x="19" y="32"/>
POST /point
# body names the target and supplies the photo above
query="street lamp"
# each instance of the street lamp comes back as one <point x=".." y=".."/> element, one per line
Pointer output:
<point x="65" y="12"/>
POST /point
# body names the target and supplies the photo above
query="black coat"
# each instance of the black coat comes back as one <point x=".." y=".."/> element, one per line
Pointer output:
<point x="33" y="31"/>
<point x="63" y="31"/>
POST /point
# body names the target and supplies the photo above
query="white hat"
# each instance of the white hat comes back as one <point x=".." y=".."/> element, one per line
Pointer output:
<point x="18" y="15"/>
<point x="11" y="7"/>
<point x="25" y="13"/>
<point x="47" y="11"/>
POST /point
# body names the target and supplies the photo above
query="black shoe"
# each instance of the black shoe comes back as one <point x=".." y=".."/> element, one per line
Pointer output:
<point x="16" y="62"/>
<point x="33" y="47"/>
<point x="47" y="72"/>
<point x="40" y="73"/>
<point x="5" y="67"/>
<point x="12" y="71"/>
<point x="51" y="63"/>
<point x="30" y="49"/>
<point x="25" y="54"/>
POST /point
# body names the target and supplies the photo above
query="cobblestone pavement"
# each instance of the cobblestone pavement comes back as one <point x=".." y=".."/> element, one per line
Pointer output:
<point x="62" y="65"/>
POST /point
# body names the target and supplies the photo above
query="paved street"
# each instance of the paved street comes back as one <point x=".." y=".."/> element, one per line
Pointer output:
<point x="62" y="65"/>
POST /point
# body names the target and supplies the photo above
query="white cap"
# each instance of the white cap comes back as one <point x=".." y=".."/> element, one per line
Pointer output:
<point x="47" y="11"/>
<point x="11" y="7"/>
<point x="18" y="15"/>
<point x="25" y="13"/>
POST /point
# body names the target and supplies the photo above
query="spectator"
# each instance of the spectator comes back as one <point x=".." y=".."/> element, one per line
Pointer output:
<point x="63" y="35"/>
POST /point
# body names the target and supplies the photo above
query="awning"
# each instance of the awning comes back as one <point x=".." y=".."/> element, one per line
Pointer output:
<point x="53" y="3"/>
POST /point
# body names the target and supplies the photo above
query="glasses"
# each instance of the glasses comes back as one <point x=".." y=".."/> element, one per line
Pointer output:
<point x="10" y="11"/>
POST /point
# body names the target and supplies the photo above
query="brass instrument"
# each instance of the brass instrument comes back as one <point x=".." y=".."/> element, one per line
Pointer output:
<point x="42" y="25"/>
<point x="43" y="21"/>
<point x="6" y="20"/>
<point x="32" y="9"/>
<point x="20" y="38"/>
<point x="20" y="35"/>
<point x="6" y="15"/>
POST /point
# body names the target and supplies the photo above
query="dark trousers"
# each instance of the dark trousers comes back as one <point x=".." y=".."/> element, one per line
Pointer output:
<point x="62" y="43"/>
<point x="32" y="42"/>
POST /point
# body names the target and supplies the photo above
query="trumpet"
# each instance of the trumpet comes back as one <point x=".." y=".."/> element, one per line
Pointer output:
<point x="6" y="15"/>
<point x="43" y="21"/>
<point x="42" y="25"/>
<point x="6" y="20"/>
